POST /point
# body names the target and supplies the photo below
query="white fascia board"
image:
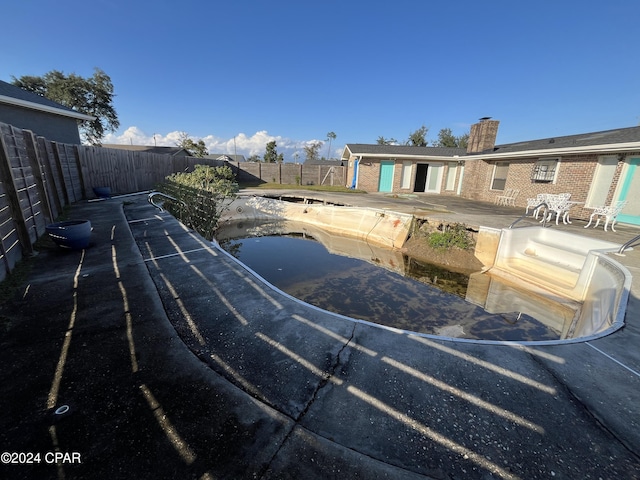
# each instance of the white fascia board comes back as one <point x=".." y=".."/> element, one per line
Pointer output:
<point x="44" y="108"/>
<point x="546" y="152"/>
<point x="344" y="153"/>
<point x="385" y="156"/>
<point x="550" y="152"/>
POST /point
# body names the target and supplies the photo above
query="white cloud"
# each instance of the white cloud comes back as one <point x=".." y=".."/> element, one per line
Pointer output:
<point x="242" y="144"/>
<point x="135" y="136"/>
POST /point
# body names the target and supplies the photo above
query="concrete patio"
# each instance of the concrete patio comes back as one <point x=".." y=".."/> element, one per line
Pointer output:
<point x="176" y="362"/>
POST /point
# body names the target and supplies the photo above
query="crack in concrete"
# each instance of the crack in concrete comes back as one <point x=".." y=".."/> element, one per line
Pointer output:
<point x="328" y="377"/>
<point x="297" y="421"/>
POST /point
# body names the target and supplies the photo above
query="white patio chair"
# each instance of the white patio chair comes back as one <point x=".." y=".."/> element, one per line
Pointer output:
<point x="534" y="202"/>
<point x="609" y="213"/>
<point x="500" y="199"/>
<point x="509" y="197"/>
<point x="558" y="204"/>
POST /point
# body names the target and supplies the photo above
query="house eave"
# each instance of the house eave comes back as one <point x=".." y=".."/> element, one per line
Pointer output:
<point x="348" y="154"/>
<point x="45" y="108"/>
<point x="549" y="152"/>
<point x="543" y="152"/>
<point x="441" y="158"/>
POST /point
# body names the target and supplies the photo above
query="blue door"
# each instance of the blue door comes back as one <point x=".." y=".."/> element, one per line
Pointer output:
<point x="386" y="176"/>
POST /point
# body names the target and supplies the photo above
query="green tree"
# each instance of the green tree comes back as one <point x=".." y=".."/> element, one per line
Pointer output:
<point x="311" y="152"/>
<point x="90" y="96"/>
<point x="271" y="154"/>
<point x="330" y="136"/>
<point x="418" y="138"/>
<point x="447" y="139"/>
<point x="254" y="158"/>
<point x="386" y="141"/>
<point x="195" y="149"/>
<point x="463" y="140"/>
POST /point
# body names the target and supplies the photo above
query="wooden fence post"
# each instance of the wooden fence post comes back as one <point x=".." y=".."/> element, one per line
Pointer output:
<point x="54" y="186"/>
<point x="82" y="175"/>
<point x="12" y="196"/>
<point x="61" y="175"/>
<point x="39" y="174"/>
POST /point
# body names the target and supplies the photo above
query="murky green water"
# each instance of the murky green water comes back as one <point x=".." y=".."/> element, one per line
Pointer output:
<point x="381" y="286"/>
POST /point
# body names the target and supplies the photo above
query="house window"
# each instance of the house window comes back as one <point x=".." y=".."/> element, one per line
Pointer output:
<point x="406" y="174"/>
<point x="452" y="169"/>
<point x="544" y="171"/>
<point x="602" y="181"/>
<point x="500" y="171"/>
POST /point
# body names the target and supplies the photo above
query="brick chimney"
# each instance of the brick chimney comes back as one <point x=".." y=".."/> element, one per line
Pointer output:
<point x="482" y="137"/>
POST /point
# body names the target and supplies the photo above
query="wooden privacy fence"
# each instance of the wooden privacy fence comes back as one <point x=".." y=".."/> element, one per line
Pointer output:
<point x="290" y="173"/>
<point x="38" y="178"/>
<point x="29" y="195"/>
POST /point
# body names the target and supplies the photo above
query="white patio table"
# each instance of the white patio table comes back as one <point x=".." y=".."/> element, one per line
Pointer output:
<point x="558" y="204"/>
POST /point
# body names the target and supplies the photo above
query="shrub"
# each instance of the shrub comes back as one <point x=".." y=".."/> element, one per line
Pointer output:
<point x="206" y="193"/>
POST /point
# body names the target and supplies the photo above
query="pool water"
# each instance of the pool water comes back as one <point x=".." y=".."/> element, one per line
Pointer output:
<point x="411" y="295"/>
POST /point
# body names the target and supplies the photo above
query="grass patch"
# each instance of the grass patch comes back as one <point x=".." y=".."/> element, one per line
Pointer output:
<point x="317" y="188"/>
<point x="452" y="236"/>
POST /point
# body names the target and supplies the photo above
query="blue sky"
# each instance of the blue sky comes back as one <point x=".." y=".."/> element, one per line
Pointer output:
<point x="292" y="71"/>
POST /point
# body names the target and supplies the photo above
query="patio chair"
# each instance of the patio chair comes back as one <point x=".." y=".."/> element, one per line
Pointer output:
<point x="560" y="205"/>
<point x="609" y="213"/>
<point x="534" y="202"/>
<point x="509" y="197"/>
<point x="500" y="198"/>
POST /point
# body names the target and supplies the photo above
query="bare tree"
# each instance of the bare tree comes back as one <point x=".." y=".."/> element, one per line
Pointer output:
<point x="311" y="152"/>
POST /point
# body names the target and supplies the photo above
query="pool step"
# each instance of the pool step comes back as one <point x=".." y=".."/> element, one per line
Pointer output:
<point x="559" y="262"/>
<point x="560" y="255"/>
<point x="543" y="271"/>
<point x="513" y="294"/>
<point x="551" y="265"/>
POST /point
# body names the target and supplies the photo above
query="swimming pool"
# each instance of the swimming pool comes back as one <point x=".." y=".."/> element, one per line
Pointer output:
<point x="383" y="286"/>
<point x="564" y="281"/>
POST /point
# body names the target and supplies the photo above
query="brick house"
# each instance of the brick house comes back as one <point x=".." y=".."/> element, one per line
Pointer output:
<point x="596" y="168"/>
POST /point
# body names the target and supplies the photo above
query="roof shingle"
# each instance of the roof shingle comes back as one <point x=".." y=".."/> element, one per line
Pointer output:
<point x="9" y="90"/>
